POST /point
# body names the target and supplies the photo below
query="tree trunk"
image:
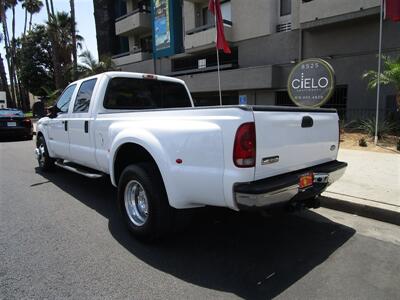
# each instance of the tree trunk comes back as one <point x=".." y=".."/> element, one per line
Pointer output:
<point x="4" y="83"/>
<point x="398" y="100"/>
<point x="26" y="21"/>
<point x="8" y="52"/>
<point x="73" y="33"/>
<point x="30" y="22"/>
<point x="14" y="59"/>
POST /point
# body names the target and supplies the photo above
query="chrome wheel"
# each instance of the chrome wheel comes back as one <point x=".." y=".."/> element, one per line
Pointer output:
<point x="136" y="203"/>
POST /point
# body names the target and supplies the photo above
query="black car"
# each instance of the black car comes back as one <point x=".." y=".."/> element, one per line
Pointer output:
<point x="14" y="124"/>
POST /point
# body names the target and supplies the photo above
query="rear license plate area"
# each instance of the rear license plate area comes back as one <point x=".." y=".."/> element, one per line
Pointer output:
<point x="306" y="180"/>
<point x="11" y="124"/>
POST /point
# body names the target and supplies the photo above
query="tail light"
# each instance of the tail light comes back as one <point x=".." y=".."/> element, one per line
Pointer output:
<point x="27" y="123"/>
<point x="244" y="149"/>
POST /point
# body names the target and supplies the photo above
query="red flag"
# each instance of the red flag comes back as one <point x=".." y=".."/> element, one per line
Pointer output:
<point x="393" y="10"/>
<point x="214" y="6"/>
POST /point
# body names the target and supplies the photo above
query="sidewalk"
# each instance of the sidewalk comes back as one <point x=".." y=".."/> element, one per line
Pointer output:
<point x="370" y="186"/>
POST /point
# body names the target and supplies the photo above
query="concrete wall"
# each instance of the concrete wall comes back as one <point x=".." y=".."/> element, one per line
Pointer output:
<point x="320" y="9"/>
<point x="352" y="49"/>
<point x="253" y="18"/>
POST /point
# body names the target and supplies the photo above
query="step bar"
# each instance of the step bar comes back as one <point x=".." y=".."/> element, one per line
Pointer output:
<point x="74" y="168"/>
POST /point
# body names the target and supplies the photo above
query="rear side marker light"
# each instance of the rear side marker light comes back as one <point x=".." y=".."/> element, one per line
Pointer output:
<point x="244" y="149"/>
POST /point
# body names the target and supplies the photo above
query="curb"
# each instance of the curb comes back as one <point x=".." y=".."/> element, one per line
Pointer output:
<point x="376" y="213"/>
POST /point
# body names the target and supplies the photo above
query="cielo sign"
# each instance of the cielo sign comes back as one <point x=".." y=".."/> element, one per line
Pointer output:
<point x="311" y="83"/>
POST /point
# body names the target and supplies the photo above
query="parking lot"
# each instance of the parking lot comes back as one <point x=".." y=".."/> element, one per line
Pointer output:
<point x="61" y="236"/>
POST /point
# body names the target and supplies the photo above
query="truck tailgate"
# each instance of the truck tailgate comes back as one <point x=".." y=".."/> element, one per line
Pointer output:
<point x="293" y="139"/>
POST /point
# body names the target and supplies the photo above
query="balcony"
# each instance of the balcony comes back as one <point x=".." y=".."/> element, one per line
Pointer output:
<point x="134" y="22"/>
<point x="203" y="37"/>
<point x="131" y="57"/>
<point x="314" y="13"/>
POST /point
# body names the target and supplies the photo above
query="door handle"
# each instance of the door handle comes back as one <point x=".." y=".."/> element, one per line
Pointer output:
<point x="86" y="126"/>
<point x="65" y="125"/>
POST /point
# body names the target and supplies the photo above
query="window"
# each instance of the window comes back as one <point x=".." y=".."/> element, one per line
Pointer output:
<point x="132" y="93"/>
<point x="65" y="99"/>
<point x="226" y="11"/>
<point x="209" y="18"/>
<point x="85" y="92"/>
<point x="286" y="7"/>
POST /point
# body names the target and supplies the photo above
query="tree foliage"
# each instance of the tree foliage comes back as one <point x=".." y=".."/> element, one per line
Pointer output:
<point x="35" y="62"/>
<point x="389" y="76"/>
<point x="90" y="66"/>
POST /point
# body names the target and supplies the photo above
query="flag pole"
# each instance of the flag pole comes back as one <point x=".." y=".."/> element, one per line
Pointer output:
<point x="378" y="89"/>
<point x="216" y="47"/>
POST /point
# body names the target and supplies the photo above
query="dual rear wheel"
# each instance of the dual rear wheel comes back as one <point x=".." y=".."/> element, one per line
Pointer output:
<point x="143" y="201"/>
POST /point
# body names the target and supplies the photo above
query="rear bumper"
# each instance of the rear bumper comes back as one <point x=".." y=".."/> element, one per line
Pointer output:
<point x="16" y="131"/>
<point x="283" y="189"/>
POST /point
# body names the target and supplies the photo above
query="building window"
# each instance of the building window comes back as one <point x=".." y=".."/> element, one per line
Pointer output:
<point x="286" y="7"/>
<point x="208" y="17"/>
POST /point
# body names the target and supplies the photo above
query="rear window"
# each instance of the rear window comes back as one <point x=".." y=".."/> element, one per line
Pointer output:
<point x="11" y="112"/>
<point x="133" y="93"/>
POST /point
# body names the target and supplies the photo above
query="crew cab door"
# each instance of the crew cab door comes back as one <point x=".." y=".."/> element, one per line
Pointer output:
<point x="58" y="127"/>
<point x="81" y="139"/>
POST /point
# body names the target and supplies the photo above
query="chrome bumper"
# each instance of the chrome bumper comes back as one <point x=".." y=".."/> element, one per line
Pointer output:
<point x="269" y="192"/>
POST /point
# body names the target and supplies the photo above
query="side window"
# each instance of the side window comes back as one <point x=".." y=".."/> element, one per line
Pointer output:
<point x="65" y="99"/>
<point x="84" y="96"/>
<point x="174" y="95"/>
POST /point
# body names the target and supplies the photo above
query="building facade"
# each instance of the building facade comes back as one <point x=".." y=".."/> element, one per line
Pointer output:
<point x="267" y="38"/>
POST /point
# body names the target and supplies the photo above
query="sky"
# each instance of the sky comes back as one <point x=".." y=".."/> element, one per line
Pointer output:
<point x="84" y="19"/>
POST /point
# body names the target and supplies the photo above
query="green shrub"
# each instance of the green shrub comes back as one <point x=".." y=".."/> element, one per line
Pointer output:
<point x="384" y="127"/>
<point x="362" y="142"/>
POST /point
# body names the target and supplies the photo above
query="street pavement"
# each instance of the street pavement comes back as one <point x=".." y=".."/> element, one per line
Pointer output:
<point x="61" y="236"/>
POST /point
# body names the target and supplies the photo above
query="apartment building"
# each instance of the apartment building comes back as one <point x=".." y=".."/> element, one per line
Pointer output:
<point x="267" y="38"/>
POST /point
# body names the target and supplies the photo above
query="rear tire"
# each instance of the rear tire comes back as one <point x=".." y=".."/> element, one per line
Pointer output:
<point x="46" y="163"/>
<point x="143" y="202"/>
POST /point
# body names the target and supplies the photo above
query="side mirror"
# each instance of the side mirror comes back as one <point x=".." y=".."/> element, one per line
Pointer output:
<point x="53" y="112"/>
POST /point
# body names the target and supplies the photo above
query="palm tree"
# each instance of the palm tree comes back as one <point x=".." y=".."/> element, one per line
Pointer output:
<point x="73" y="34"/>
<point x="4" y="82"/>
<point x="390" y="76"/>
<point x="31" y="7"/>
<point x="90" y="66"/>
<point x="9" y="46"/>
<point x="60" y="25"/>
<point x="58" y="79"/>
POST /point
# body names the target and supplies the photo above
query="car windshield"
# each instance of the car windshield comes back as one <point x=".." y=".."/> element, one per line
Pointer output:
<point x="11" y="112"/>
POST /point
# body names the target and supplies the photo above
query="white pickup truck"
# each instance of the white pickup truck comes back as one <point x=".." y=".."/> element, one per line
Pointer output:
<point x="164" y="154"/>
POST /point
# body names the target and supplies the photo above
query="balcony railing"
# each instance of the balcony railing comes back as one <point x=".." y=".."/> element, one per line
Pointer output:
<point x="203" y="37"/>
<point x="133" y="56"/>
<point x="206" y="27"/>
<point x="137" y="21"/>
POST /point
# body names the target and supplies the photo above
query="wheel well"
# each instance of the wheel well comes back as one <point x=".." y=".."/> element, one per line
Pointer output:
<point x="129" y="154"/>
<point x="38" y="135"/>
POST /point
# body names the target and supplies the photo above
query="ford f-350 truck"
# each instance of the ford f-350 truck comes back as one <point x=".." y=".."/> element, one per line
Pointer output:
<point x="164" y="154"/>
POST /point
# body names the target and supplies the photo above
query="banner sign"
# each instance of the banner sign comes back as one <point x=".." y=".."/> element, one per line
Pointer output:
<point x="167" y="27"/>
<point x="311" y="83"/>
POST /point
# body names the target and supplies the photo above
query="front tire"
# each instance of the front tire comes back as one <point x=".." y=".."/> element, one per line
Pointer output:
<point x="143" y="202"/>
<point x="46" y="163"/>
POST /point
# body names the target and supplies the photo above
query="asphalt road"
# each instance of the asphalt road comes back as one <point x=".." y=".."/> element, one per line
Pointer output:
<point x="61" y="236"/>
